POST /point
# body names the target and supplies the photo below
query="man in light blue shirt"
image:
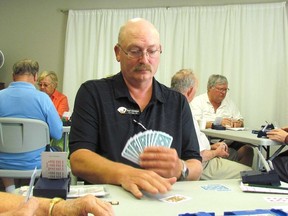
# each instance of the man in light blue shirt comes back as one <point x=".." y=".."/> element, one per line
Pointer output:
<point x="22" y="100"/>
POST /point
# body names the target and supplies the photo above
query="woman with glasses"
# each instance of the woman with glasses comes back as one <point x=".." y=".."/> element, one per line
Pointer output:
<point x="48" y="82"/>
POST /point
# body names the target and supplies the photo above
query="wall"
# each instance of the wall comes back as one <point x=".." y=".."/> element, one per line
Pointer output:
<point x="36" y="28"/>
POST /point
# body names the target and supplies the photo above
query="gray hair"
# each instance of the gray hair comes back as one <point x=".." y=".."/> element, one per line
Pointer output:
<point x="26" y="66"/>
<point x="183" y="80"/>
<point x="216" y="79"/>
<point x="50" y="74"/>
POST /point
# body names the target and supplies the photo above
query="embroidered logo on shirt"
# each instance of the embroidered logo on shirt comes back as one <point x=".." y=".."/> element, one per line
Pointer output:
<point x="124" y="110"/>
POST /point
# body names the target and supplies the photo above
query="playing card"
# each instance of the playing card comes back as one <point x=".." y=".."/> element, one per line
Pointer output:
<point x="150" y="135"/>
<point x="215" y="187"/>
<point x="163" y="139"/>
<point x="277" y="199"/>
<point x="217" y="121"/>
<point x="136" y="144"/>
<point x="146" y="138"/>
<point x="129" y="153"/>
<point x="153" y="139"/>
<point x="175" y="199"/>
<point x="141" y="140"/>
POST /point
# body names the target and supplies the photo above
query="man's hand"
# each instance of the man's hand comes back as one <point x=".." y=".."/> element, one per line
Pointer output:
<point x="277" y="135"/>
<point x="134" y="180"/>
<point x="164" y="161"/>
<point x="285" y="128"/>
<point x="221" y="149"/>
<point x="234" y="123"/>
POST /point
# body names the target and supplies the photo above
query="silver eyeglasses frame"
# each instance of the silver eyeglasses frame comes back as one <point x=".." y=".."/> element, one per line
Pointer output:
<point x="140" y="53"/>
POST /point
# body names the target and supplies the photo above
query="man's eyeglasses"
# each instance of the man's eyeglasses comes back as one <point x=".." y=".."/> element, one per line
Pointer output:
<point x="45" y="85"/>
<point x="223" y="90"/>
<point x="138" y="53"/>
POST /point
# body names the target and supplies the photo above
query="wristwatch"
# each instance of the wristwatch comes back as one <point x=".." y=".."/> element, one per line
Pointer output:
<point x="184" y="172"/>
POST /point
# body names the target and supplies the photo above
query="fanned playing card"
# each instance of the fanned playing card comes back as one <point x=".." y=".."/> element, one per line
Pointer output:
<point x="136" y="144"/>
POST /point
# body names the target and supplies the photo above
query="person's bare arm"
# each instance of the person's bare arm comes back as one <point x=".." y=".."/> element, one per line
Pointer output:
<point x="207" y="155"/>
<point x="219" y="149"/>
<point x="97" y="169"/>
<point x="195" y="169"/>
<point x="14" y="205"/>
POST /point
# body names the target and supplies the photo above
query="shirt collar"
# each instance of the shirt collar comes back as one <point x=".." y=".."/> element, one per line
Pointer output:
<point x="223" y="103"/>
<point x="121" y="90"/>
<point x="22" y="85"/>
<point x="54" y="94"/>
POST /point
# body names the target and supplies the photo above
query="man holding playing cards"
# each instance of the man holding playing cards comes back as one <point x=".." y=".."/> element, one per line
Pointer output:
<point x="130" y="130"/>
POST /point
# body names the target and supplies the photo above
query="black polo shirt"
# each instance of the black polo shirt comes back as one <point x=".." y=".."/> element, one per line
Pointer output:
<point x="97" y="124"/>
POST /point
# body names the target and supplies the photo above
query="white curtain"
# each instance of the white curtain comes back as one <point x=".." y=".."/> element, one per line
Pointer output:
<point x="246" y="43"/>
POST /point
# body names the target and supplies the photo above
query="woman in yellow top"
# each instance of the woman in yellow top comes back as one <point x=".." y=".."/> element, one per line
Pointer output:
<point x="47" y="82"/>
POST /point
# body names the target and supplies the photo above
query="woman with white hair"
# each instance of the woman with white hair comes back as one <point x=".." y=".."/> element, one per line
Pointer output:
<point x="48" y="82"/>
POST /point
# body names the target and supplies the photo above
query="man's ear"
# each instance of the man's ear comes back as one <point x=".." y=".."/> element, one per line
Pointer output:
<point x="190" y="90"/>
<point x="35" y="77"/>
<point x="117" y="53"/>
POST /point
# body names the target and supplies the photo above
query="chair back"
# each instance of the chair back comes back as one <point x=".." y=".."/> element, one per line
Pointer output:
<point x="18" y="135"/>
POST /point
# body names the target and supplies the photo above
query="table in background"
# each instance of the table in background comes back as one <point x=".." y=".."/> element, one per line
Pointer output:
<point x="66" y="131"/>
<point x="201" y="200"/>
<point x="246" y="136"/>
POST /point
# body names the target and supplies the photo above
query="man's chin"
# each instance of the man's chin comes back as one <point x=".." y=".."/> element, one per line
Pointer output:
<point x="144" y="76"/>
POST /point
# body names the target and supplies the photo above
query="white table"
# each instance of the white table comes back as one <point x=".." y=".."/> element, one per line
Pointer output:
<point x="246" y="136"/>
<point x="201" y="200"/>
<point x="242" y="136"/>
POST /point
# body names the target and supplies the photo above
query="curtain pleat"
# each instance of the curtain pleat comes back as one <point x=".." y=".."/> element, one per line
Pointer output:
<point x="245" y="43"/>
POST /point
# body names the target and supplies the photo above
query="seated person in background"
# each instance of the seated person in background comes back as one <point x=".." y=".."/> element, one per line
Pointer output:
<point x="13" y="205"/>
<point x="214" y="162"/>
<point x="214" y="104"/>
<point x="280" y="163"/>
<point x="22" y="100"/>
<point x="100" y="130"/>
<point x="48" y="82"/>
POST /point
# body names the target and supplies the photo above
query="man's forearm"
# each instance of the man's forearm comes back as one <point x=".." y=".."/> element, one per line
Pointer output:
<point x="94" y="168"/>
<point x="207" y="155"/>
<point x="195" y="169"/>
<point x="10" y="201"/>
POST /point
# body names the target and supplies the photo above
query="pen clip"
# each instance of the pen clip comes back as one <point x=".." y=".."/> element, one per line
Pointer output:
<point x="31" y="184"/>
